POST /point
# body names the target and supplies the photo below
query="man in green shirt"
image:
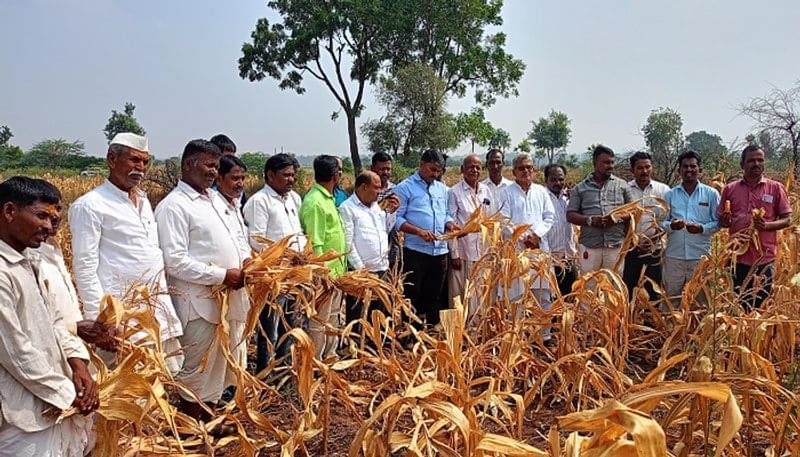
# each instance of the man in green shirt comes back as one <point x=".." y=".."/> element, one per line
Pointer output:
<point x="323" y="227"/>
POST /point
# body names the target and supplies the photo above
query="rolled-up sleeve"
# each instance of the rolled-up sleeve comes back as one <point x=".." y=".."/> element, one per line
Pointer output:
<point x="173" y="235"/>
<point x="86" y="227"/>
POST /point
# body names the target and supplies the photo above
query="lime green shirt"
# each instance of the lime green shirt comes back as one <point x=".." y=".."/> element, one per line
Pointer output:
<point x="323" y="226"/>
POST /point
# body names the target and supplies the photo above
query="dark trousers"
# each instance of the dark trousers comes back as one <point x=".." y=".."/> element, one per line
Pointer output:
<point x="636" y="261"/>
<point x="354" y="307"/>
<point x="425" y="280"/>
<point x="272" y="329"/>
<point x="752" y="284"/>
<point x="566" y="276"/>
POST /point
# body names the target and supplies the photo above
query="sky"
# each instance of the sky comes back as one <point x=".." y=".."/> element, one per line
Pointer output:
<point x="65" y="64"/>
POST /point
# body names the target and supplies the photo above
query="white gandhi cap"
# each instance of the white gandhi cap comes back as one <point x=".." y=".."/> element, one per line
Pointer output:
<point x="131" y="140"/>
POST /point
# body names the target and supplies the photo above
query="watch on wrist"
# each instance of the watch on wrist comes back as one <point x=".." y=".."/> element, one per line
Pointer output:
<point x="589" y="221"/>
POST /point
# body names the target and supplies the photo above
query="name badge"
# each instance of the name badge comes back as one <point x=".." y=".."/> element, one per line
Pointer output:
<point x="767" y="198"/>
<point x="703" y="203"/>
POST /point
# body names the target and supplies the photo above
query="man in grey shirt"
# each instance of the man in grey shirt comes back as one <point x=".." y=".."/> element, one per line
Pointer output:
<point x="590" y="203"/>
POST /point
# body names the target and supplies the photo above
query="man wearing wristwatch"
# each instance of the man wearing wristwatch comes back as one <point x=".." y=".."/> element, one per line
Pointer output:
<point x="590" y="204"/>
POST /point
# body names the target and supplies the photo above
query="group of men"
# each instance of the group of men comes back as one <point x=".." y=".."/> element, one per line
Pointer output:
<point x="201" y="234"/>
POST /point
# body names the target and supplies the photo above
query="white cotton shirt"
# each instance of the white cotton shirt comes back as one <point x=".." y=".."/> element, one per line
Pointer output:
<point x="561" y="237"/>
<point x="496" y="192"/>
<point x="56" y="285"/>
<point x="200" y="242"/>
<point x="462" y="200"/>
<point x="114" y="246"/>
<point x="274" y="216"/>
<point x="649" y="226"/>
<point x="366" y="234"/>
<point x="534" y="208"/>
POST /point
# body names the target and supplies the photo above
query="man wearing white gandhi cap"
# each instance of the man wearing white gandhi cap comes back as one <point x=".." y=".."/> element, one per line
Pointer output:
<point x="115" y="242"/>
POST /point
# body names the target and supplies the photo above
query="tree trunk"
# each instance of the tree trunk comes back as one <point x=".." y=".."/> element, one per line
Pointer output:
<point x="351" y="132"/>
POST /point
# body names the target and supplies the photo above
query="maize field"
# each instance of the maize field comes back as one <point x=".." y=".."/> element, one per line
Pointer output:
<point x="626" y="378"/>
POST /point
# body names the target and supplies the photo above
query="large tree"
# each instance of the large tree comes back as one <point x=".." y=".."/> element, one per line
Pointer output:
<point x="663" y="135"/>
<point x="778" y="113"/>
<point x="10" y="155"/>
<point x="550" y="134"/>
<point x="715" y="154"/>
<point x="59" y="153"/>
<point x="345" y="44"/>
<point x="122" y="122"/>
<point x="500" y="139"/>
<point x="474" y="128"/>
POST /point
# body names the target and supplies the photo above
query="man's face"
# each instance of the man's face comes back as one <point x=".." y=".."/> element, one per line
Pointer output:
<point x="556" y="180"/>
<point x="604" y="165"/>
<point x="523" y="172"/>
<point x="753" y="164"/>
<point x="29" y="226"/>
<point x="371" y="190"/>
<point x="495" y="165"/>
<point x="200" y="171"/>
<point x="429" y="171"/>
<point x="642" y="170"/>
<point x="282" y="181"/>
<point x="232" y="184"/>
<point x="127" y="169"/>
<point x="689" y="170"/>
<point x="384" y="170"/>
<point x="471" y="170"/>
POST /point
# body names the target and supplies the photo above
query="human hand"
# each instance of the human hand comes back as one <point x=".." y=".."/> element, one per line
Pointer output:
<point x="391" y="203"/>
<point x="103" y="336"/>
<point x="426" y="235"/>
<point x="531" y="241"/>
<point x="234" y="278"/>
<point x="725" y="220"/>
<point x="760" y="224"/>
<point x="694" y="228"/>
<point x="87" y="397"/>
<point x="677" y="224"/>
<point x="451" y="227"/>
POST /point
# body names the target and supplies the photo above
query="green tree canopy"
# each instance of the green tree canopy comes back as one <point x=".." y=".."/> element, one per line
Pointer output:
<point x="474" y="128"/>
<point x="59" y="153"/>
<point x="383" y="135"/>
<point x="122" y="122"/>
<point x="10" y="156"/>
<point x="500" y="139"/>
<point x="550" y="134"/>
<point x="715" y="155"/>
<point x="663" y="136"/>
<point x="254" y="161"/>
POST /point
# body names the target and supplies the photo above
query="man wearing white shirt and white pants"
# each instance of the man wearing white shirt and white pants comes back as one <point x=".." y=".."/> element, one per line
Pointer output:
<point x="366" y="233"/>
<point x="115" y="242"/>
<point x="561" y="237"/>
<point x="528" y="203"/>
<point x="496" y="183"/>
<point x="462" y="200"/>
<point x="273" y="213"/>
<point x="202" y="249"/>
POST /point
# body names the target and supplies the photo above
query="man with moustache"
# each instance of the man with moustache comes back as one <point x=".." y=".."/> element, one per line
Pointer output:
<point x="228" y="148"/>
<point x="691" y="222"/>
<point x="115" y="242"/>
<point x="42" y="366"/>
<point x="462" y="200"/>
<point x="495" y="182"/>
<point x="382" y="165"/>
<point x="561" y="237"/>
<point x="754" y="269"/>
<point x="229" y="185"/>
<point x="590" y="204"/>
<point x="202" y="249"/>
<point x="274" y="213"/>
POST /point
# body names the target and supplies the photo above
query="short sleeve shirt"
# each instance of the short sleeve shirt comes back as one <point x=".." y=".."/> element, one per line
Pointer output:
<point x="590" y="199"/>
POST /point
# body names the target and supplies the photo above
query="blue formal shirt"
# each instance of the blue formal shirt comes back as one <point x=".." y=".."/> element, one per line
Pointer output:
<point x="698" y="208"/>
<point x="425" y="206"/>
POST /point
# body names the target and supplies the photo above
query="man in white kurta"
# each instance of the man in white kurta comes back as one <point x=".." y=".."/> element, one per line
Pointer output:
<point x="495" y="182"/>
<point x="42" y="366"/>
<point x="462" y="200"/>
<point x="202" y="249"/>
<point x="115" y="243"/>
<point x="528" y="203"/>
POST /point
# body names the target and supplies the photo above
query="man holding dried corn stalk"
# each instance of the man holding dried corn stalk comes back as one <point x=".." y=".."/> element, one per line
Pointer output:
<point x="422" y="216"/>
<point x="273" y="213"/>
<point x="115" y="242"/>
<point x="203" y="248"/>
<point x="43" y="368"/>
<point x="590" y="205"/>
<point x="527" y="203"/>
<point x="691" y="221"/>
<point x="323" y="225"/>
<point x="761" y="204"/>
<point x="462" y="200"/>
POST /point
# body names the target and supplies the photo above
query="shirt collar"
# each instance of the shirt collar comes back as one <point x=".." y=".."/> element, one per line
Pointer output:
<point x="11" y="255"/>
<point x="189" y="190"/>
<point x="322" y="189"/>
<point x="274" y="193"/>
<point x="121" y="193"/>
<point x="760" y="181"/>
<point x="632" y="183"/>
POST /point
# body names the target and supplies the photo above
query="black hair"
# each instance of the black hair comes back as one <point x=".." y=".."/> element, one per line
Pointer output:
<point x="223" y="143"/>
<point x="600" y="150"/>
<point x="196" y="147"/>
<point x="226" y="164"/>
<point x="24" y="191"/>
<point x="279" y="162"/>
<point x="495" y="151"/>
<point x="325" y="168"/>
<point x="379" y="157"/>
<point x="689" y="154"/>
<point x="553" y="166"/>
<point x="432" y="155"/>
<point x="361" y="179"/>
<point x="640" y="155"/>
<point x="749" y="148"/>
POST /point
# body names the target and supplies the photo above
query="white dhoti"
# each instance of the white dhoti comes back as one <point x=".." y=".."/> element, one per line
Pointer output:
<point x="73" y="437"/>
<point x="205" y="369"/>
<point x="322" y="328"/>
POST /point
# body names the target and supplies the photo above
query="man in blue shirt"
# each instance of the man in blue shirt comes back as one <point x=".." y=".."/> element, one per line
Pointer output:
<point x="691" y="222"/>
<point x="423" y="216"/>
